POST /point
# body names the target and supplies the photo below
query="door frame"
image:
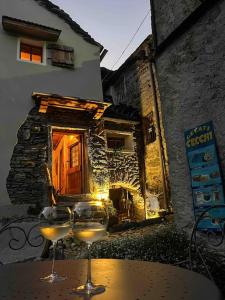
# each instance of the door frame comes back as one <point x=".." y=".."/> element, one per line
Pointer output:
<point x="85" y="165"/>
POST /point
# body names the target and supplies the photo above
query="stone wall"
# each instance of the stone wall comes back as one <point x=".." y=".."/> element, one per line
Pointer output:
<point x="125" y="168"/>
<point x="152" y="160"/>
<point x="98" y="157"/>
<point x="131" y="85"/>
<point x="191" y="82"/>
<point x="27" y="182"/>
<point x="170" y="13"/>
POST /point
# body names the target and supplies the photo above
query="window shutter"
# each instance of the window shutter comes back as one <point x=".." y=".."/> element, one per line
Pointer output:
<point x="62" y="56"/>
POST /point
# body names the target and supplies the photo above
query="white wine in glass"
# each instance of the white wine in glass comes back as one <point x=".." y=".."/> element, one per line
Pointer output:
<point x="89" y="232"/>
<point x="55" y="224"/>
<point x="54" y="232"/>
<point x="89" y="225"/>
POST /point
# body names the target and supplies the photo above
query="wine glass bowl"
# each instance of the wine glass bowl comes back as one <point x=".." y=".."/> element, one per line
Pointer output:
<point x="90" y="221"/>
<point x="55" y="224"/>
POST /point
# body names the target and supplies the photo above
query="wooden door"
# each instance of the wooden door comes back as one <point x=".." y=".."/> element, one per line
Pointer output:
<point x="60" y="172"/>
<point x="74" y="170"/>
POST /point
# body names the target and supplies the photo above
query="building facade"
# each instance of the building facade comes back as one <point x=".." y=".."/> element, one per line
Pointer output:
<point x="189" y="61"/>
<point x="52" y="107"/>
<point x="132" y="85"/>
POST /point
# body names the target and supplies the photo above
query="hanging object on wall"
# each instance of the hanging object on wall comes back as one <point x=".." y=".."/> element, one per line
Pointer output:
<point x="149" y="129"/>
<point x="205" y="171"/>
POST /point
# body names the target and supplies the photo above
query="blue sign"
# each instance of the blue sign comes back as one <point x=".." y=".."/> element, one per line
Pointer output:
<point x="206" y="180"/>
<point x="199" y="136"/>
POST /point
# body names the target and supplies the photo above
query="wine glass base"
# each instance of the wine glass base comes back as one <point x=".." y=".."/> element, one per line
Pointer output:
<point x="89" y="289"/>
<point x="53" y="278"/>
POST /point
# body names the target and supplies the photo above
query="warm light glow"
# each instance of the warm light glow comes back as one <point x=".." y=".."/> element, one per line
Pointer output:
<point x="102" y="195"/>
<point x="153" y="216"/>
<point x="31" y="53"/>
<point x="98" y="203"/>
<point x="36" y="58"/>
<point x="25" y="56"/>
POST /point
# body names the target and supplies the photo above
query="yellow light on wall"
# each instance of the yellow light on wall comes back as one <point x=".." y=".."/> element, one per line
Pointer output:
<point x="98" y="203"/>
<point x="102" y="195"/>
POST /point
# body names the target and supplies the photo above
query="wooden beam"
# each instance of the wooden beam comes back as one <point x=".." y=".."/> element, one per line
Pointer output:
<point x="45" y="100"/>
<point x="43" y="106"/>
<point x="99" y="113"/>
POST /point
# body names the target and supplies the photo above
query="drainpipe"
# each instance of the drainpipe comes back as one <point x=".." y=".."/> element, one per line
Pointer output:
<point x="159" y="132"/>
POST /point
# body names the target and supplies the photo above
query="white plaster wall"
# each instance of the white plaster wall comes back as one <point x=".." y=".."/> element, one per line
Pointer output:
<point x="19" y="79"/>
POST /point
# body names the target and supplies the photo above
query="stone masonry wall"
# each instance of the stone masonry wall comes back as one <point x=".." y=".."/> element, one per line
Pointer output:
<point x="98" y="157"/>
<point x="26" y="182"/>
<point x="192" y="84"/>
<point x="170" y="13"/>
<point x="138" y="94"/>
<point x="152" y="162"/>
<point x="126" y="89"/>
<point x="125" y="168"/>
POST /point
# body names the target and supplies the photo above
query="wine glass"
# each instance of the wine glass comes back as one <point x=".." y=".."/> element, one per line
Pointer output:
<point x="89" y="225"/>
<point x="55" y="224"/>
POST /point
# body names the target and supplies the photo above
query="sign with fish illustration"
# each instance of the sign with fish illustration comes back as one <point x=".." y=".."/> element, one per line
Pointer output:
<point x="206" y="180"/>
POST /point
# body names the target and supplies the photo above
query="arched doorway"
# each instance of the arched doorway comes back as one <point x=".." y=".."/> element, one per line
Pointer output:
<point x="123" y="203"/>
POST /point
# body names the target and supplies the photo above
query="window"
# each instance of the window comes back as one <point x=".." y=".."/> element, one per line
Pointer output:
<point x="121" y="141"/>
<point x="115" y="142"/>
<point x="74" y="156"/>
<point x="31" y="53"/>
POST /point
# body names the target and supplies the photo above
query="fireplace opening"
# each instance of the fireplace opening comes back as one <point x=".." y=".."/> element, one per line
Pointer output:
<point x="67" y="161"/>
<point x="123" y="203"/>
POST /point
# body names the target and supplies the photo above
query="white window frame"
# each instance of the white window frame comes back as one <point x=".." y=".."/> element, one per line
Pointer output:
<point x="34" y="43"/>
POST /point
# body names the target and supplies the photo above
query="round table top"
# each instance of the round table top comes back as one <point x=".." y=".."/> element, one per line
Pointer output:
<point x="124" y="280"/>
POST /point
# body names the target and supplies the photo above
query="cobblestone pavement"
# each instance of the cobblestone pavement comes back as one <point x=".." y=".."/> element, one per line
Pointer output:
<point x="76" y="250"/>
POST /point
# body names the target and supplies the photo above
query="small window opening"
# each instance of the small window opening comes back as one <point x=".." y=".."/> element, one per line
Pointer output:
<point x="119" y="141"/>
<point x="116" y="143"/>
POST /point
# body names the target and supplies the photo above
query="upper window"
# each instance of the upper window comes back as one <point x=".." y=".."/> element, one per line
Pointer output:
<point x="31" y="53"/>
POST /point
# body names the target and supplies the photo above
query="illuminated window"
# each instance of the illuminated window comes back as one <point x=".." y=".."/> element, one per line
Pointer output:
<point x="31" y="53"/>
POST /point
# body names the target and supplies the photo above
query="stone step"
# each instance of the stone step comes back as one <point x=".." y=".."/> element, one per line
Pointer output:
<point x="69" y="200"/>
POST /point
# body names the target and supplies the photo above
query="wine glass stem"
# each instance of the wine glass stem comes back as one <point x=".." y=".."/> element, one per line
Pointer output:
<point x="89" y="265"/>
<point x="53" y="256"/>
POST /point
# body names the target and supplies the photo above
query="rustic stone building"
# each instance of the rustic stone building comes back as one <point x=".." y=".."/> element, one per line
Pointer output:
<point x="131" y="85"/>
<point x="52" y="115"/>
<point x="189" y="48"/>
<point x="123" y="135"/>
